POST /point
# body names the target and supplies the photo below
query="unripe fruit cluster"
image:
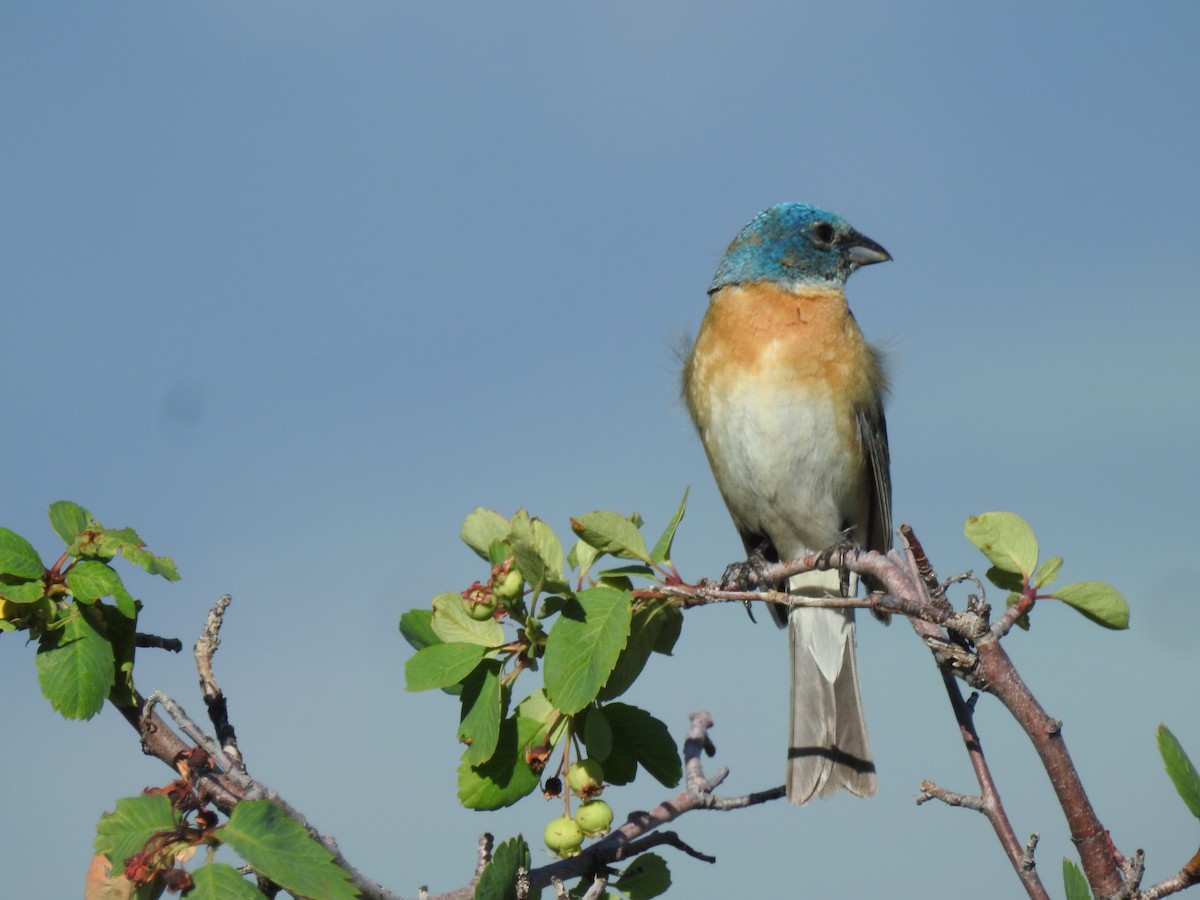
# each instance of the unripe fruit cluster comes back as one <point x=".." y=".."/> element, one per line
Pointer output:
<point x="594" y="817"/>
<point x="564" y="836"/>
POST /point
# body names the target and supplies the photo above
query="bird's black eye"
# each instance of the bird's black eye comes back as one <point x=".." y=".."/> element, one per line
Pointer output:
<point x="823" y="233"/>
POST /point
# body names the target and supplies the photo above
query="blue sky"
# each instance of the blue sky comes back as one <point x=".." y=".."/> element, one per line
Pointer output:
<point x="291" y="288"/>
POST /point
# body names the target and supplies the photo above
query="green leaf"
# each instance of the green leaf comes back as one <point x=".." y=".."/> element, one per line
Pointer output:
<point x="75" y="667"/>
<point x="217" y="881"/>
<point x="22" y="591"/>
<point x="1047" y="572"/>
<point x="645" y="627"/>
<point x="550" y="551"/>
<point x="646" y="740"/>
<point x="633" y="570"/>
<point x="662" y="549"/>
<point x="155" y="565"/>
<point x="278" y="847"/>
<point x="672" y="625"/>
<point x="452" y="623"/>
<point x="612" y="533"/>
<point x="499" y="879"/>
<point x="124" y="831"/>
<point x="17" y="556"/>
<point x="1074" y="882"/>
<point x="481" y="528"/>
<point x="582" y="556"/>
<point x="537" y="553"/>
<point x="482" y="712"/>
<point x="416" y="627"/>
<point x="645" y="877"/>
<point x="537" y="708"/>
<point x="506" y="777"/>
<point x="597" y="735"/>
<point x="1008" y="581"/>
<point x="90" y="580"/>
<point x="1180" y="769"/>
<point x="125" y="603"/>
<point x="68" y="519"/>
<point x="1006" y="539"/>
<point x="584" y="645"/>
<point x="441" y="665"/>
<point x="1100" y="602"/>
<point x="121" y="633"/>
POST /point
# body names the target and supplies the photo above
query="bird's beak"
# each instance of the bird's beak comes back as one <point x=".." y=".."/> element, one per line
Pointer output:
<point x="862" y="251"/>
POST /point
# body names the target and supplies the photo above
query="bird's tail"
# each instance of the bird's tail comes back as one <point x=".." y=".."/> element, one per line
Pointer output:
<point x="829" y="750"/>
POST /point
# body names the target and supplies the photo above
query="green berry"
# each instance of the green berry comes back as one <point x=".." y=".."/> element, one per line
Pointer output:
<point x="586" y="777"/>
<point x="594" y="817"/>
<point x="509" y="587"/>
<point x="563" y="837"/>
<point x="481" y="611"/>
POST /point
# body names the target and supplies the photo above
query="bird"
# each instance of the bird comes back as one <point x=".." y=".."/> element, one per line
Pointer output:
<point x="787" y="397"/>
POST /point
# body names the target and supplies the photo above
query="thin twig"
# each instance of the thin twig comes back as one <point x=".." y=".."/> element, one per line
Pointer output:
<point x="214" y="697"/>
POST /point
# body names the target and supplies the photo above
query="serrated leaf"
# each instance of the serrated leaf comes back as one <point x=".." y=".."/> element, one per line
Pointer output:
<point x="662" y="549"/>
<point x="612" y="533"/>
<point x="124" y="831"/>
<point x="597" y="735"/>
<point x="506" y="777"/>
<point x="1180" y="769"/>
<point x="584" y="645"/>
<point x="279" y="848"/>
<point x="90" y="580"/>
<point x="1100" y="602"/>
<point x="537" y="553"/>
<point x="1047" y="572"/>
<point x="68" y="519"/>
<point x="645" y="877"/>
<point x="482" y="712"/>
<point x="452" y="623"/>
<point x="416" y="627"/>
<point x="1075" y="884"/>
<point x="17" y="556"/>
<point x="75" y="667"/>
<point x="645" y="626"/>
<point x="22" y="591"/>
<point x="550" y="550"/>
<point x="481" y="528"/>
<point x="646" y="739"/>
<point x="1006" y="539"/>
<point x="155" y="565"/>
<point x="217" y="881"/>
<point x="441" y="665"/>
<point x="499" y="879"/>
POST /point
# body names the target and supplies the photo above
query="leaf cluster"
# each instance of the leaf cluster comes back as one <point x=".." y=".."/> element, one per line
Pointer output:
<point x="1008" y="542"/>
<point x="144" y="840"/>
<point x="78" y="609"/>
<point x="580" y="624"/>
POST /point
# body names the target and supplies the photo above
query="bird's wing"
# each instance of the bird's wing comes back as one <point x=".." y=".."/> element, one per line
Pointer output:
<point x="872" y="431"/>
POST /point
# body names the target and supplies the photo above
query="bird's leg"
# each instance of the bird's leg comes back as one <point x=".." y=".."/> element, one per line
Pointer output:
<point x="749" y="574"/>
<point x="840" y="548"/>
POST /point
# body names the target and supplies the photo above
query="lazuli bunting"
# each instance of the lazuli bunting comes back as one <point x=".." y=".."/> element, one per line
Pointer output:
<point x="788" y="399"/>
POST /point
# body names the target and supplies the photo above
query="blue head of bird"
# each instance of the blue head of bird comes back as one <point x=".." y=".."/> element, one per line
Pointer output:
<point x="796" y="244"/>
